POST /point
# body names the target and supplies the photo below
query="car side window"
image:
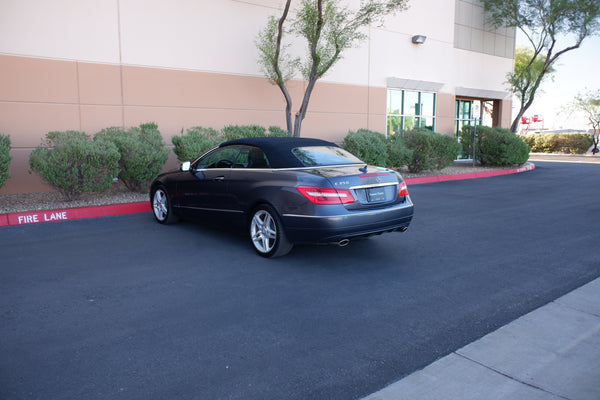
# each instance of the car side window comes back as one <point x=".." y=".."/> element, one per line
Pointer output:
<point x="257" y="158"/>
<point x="224" y="157"/>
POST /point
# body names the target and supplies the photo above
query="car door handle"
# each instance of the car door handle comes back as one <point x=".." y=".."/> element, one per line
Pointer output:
<point x="219" y="178"/>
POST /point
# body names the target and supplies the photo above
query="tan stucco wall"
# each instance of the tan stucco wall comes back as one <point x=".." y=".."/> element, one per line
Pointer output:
<point x="40" y="95"/>
<point x="180" y="64"/>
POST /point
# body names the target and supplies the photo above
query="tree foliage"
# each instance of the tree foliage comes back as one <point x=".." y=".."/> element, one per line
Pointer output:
<point x="528" y="74"/>
<point x="589" y="103"/>
<point x="328" y="30"/>
<point x="552" y="28"/>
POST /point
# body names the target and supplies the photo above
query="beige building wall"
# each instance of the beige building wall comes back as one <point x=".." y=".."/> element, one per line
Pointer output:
<point x="90" y="64"/>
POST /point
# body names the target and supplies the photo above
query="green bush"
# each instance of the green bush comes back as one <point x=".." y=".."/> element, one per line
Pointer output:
<point x="369" y="146"/>
<point x="398" y="154"/>
<point x="465" y="138"/>
<point x="232" y="132"/>
<point x="4" y="158"/>
<point x="529" y="140"/>
<point x="548" y="143"/>
<point x="195" y="142"/>
<point x="570" y="143"/>
<point x="143" y="153"/>
<point x="497" y="146"/>
<point x="577" y="143"/>
<point x="429" y="150"/>
<point x="444" y="150"/>
<point x="277" y="131"/>
<point x="419" y="141"/>
<point x="72" y="163"/>
<point x="198" y="140"/>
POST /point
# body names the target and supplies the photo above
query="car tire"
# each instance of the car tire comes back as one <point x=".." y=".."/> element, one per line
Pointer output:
<point x="161" y="206"/>
<point x="267" y="234"/>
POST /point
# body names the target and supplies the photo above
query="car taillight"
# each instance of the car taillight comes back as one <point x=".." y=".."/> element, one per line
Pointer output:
<point x="324" y="195"/>
<point x="402" y="189"/>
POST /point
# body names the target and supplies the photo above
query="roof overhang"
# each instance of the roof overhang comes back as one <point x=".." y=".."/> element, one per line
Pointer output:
<point x="411" y="84"/>
<point x="481" y="93"/>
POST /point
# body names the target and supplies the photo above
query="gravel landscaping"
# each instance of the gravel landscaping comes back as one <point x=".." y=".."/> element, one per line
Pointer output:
<point x="11" y="203"/>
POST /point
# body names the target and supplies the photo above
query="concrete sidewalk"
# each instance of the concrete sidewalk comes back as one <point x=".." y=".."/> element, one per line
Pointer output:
<point x="551" y="353"/>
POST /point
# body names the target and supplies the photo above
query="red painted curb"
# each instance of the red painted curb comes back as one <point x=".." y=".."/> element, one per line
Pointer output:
<point x="456" y="177"/>
<point x="35" y="217"/>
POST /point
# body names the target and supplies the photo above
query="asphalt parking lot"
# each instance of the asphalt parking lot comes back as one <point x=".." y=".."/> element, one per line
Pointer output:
<point x="122" y="307"/>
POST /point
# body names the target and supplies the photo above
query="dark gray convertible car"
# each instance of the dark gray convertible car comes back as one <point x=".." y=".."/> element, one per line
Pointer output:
<point x="284" y="191"/>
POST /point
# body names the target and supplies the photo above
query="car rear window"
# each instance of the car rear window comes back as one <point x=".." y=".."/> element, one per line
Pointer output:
<point x="315" y="156"/>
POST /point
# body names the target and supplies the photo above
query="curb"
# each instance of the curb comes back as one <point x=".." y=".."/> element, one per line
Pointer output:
<point x="36" y="217"/>
<point x="457" y="177"/>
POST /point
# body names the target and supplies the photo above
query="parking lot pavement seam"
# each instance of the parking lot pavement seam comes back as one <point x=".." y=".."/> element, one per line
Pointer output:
<point x="512" y="378"/>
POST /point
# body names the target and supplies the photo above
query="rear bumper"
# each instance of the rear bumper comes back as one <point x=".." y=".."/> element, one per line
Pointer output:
<point x="345" y="224"/>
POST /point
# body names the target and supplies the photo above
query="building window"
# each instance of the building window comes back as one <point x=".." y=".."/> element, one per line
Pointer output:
<point x="408" y="109"/>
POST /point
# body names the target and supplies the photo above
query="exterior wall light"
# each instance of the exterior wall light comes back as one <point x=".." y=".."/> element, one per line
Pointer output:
<point x="419" y="39"/>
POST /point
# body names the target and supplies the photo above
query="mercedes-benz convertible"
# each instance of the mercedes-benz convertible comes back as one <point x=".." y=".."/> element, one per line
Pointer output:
<point x="284" y="191"/>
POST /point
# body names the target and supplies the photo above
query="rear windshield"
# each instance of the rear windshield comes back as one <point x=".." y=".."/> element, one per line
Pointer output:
<point x="324" y="155"/>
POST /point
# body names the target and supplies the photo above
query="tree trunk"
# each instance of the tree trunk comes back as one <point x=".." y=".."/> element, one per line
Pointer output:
<point x="280" y="80"/>
<point x="314" y="75"/>
<point x="304" y="107"/>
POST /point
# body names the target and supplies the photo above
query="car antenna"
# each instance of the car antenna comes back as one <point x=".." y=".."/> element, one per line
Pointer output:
<point x="363" y="169"/>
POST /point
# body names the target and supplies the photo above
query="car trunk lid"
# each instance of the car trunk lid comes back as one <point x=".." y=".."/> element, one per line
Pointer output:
<point x="370" y="186"/>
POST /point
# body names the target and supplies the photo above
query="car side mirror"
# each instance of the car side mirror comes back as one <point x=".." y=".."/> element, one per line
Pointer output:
<point x="185" y="166"/>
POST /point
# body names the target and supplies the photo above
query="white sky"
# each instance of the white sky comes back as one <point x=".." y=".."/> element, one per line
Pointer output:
<point x="576" y="71"/>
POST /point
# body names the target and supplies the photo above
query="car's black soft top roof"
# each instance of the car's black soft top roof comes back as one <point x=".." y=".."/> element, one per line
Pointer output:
<point x="279" y="149"/>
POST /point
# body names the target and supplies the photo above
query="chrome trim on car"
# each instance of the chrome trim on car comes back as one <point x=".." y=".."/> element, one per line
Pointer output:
<point x="316" y="167"/>
<point x="210" y="209"/>
<point x="350" y="215"/>
<point x="374" y="185"/>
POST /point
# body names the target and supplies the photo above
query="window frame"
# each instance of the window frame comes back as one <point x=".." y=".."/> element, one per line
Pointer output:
<point x="405" y="112"/>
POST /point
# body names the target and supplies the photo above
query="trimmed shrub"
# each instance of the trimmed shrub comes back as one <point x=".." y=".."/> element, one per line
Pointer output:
<point x="4" y="158"/>
<point x="195" y="142"/>
<point x="465" y="138"/>
<point x="72" y="163"/>
<point x="398" y="154"/>
<point x="143" y="153"/>
<point x="502" y="147"/>
<point x="232" y="132"/>
<point x="444" y="150"/>
<point x="497" y="146"/>
<point x="277" y="131"/>
<point x="529" y="140"/>
<point x="547" y="143"/>
<point x="430" y="150"/>
<point x="577" y="143"/>
<point x="419" y="142"/>
<point x="369" y="146"/>
<point x="570" y="143"/>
